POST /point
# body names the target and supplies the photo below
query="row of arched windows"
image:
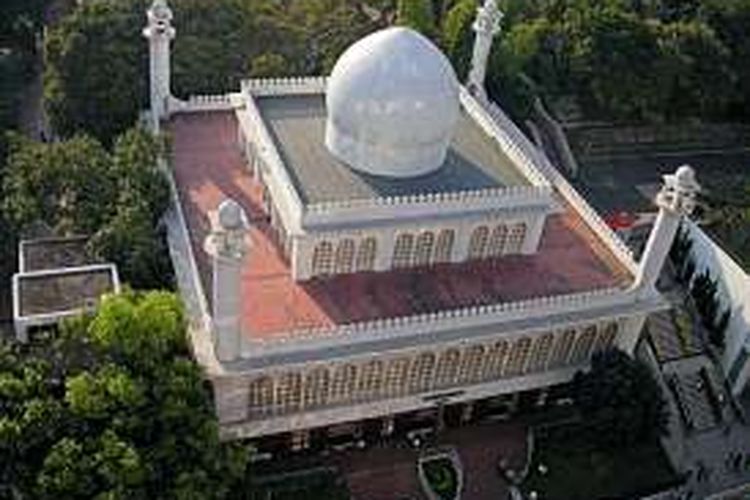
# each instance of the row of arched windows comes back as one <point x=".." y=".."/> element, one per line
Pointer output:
<point x="486" y="242"/>
<point x="346" y="257"/>
<point x="413" y="250"/>
<point x="423" y="249"/>
<point x="429" y="370"/>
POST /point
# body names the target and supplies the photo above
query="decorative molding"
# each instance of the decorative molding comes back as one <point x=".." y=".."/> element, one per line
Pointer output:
<point x="568" y="192"/>
<point x="320" y="337"/>
<point x="285" y="86"/>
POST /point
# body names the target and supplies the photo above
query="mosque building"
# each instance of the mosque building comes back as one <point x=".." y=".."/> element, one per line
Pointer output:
<point x="359" y="250"/>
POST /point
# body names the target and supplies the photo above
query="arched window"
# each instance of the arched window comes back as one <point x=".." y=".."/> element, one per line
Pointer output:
<point x="396" y="375"/>
<point x="322" y="259"/>
<point x="423" y="250"/>
<point x="402" y="251"/>
<point x="606" y="337"/>
<point x="420" y="375"/>
<point x="472" y="364"/>
<point x="366" y="254"/>
<point x="518" y="356"/>
<point x="447" y="368"/>
<point x="497" y="241"/>
<point x="344" y="383"/>
<point x="345" y="256"/>
<point x="289" y="392"/>
<point x="371" y="379"/>
<point x="540" y="353"/>
<point x="582" y="348"/>
<point x="444" y="246"/>
<point x="316" y="388"/>
<point x="515" y="238"/>
<point x="260" y="395"/>
<point x="496" y="360"/>
<point x="478" y="243"/>
<point x="562" y="349"/>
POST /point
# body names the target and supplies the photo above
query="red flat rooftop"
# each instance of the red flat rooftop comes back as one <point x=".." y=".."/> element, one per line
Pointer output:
<point x="208" y="167"/>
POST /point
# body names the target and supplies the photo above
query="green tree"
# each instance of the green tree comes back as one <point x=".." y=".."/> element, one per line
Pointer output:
<point x="96" y="69"/>
<point x="268" y="64"/>
<point x="418" y="15"/>
<point x="620" y="401"/>
<point x="458" y="37"/>
<point x="113" y="407"/>
<point x="76" y="186"/>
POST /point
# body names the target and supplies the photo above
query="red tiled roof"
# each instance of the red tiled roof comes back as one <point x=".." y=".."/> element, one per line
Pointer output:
<point x="208" y="167"/>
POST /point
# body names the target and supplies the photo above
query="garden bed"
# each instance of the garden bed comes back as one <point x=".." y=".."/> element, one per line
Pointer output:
<point x="440" y="476"/>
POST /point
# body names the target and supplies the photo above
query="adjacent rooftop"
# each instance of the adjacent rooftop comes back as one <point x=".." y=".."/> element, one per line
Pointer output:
<point x="208" y="167"/>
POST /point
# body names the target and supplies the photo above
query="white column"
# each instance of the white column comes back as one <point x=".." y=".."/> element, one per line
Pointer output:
<point x="486" y="26"/>
<point x="675" y="200"/>
<point x="534" y="234"/>
<point x="159" y="32"/>
<point x="228" y="245"/>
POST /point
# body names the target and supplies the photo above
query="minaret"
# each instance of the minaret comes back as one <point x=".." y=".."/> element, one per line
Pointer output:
<point x="228" y="245"/>
<point x="675" y="201"/>
<point x="160" y="33"/>
<point x="486" y="26"/>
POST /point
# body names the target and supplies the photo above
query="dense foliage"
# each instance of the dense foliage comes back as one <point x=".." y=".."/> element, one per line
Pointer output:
<point x="97" y="66"/>
<point x="621" y="403"/>
<point x="112" y="408"/>
<point x="78" y="187"/>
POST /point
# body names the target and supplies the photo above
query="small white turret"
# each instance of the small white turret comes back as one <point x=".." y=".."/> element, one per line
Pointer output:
<point x="486" y="26"/>
<point x="228" y="245"/>
<point x="160" y="33"/>
<point x="676" y="200"/>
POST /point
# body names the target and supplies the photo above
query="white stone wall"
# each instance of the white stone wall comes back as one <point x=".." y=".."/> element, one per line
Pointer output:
<point x="287" y="398"/>
<point x="734" y="292"/>
<point x="426" y="241"/>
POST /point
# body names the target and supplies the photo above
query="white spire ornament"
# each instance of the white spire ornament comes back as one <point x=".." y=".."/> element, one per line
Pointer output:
<point x="160" y="33"/>
<point x="486" y="26"/>
<point x="677" y="199"/>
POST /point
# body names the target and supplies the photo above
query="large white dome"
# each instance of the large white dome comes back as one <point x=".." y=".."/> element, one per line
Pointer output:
<point x="392" y="103"/>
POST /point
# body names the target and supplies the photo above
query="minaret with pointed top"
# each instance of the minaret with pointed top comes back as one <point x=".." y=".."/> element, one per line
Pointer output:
<point x="228" y="245"/>
<point x="676" y="200"/>
<point x="486" y="26"/>
<point x="160" y="33"/>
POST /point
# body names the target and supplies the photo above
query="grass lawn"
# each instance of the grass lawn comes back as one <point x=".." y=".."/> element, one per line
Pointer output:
<point x="575" y="470"/>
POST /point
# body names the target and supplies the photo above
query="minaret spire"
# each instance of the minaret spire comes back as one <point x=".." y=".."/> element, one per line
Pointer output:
<point x="676" y="200"/>
<point x="160" y="33"/>
<point x="486" y="26"/>
<point x="228" y="245"/>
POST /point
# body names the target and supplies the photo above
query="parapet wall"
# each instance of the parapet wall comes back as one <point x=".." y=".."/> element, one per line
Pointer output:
<point x="463" y="318"/>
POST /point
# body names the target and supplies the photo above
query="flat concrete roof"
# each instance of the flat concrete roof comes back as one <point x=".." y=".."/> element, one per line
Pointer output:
<point x="297" y="125"/>
<point x="54" y="253"/>
<point x="63" y="291"/>
<point x="208" y="167"/>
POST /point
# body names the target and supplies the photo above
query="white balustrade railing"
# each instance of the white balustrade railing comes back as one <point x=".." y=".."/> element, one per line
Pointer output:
<point x="281" y="86"/>
<point x="466" y="317"/>
<point x="568" y="192"/>
<point x="465" y="200"/>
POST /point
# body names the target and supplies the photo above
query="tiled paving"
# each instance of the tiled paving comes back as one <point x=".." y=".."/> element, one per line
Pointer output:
<point x="208" y="167"/>
<point x="391" y="473"/>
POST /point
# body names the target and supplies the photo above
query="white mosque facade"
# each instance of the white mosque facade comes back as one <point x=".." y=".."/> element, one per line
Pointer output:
<point x="385" y="241"/>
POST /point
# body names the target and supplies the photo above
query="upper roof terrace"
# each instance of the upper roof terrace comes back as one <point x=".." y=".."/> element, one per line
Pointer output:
<point x="208" y="168"/>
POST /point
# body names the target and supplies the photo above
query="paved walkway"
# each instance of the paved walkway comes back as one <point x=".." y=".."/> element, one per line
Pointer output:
<point x="390" y="473"/>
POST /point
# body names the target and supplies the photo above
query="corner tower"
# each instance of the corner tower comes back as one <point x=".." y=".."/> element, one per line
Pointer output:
<point x="159" y="32"/>
<point x="486" y="26"/>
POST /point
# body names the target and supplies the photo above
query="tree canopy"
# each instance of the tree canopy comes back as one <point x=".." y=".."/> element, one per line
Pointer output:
<point x="112" y="408"/>
<point x="78" y="187"/>
<point x="620" y="401"/>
